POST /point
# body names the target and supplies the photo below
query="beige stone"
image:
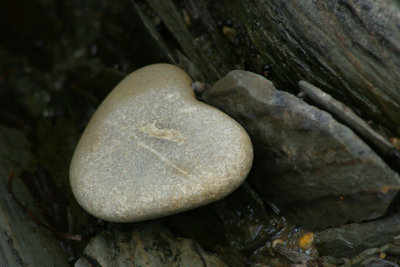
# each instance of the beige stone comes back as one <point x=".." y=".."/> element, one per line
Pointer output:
<point x="151" y="149"/>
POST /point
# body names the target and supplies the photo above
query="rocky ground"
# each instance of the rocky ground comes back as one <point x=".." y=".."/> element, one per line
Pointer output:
<point x="324" y="183"/>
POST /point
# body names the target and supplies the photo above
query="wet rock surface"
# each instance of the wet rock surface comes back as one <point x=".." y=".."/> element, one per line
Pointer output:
<point x="151" y="149"/>
<point x="345" y="115"/>
<point x="372" y="257"/>
<point x="144" y="244"/>
<point x="307" y="163"/>
<point x="351" y="239"/>
<point x="238" y="228"/>
<point x="57" y="66"/>
<point x="22" y="241"/>
<point x="353" y="55"/>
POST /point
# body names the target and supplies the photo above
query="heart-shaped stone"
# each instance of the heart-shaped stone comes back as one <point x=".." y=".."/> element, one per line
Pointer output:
<point x="151" y="149"/>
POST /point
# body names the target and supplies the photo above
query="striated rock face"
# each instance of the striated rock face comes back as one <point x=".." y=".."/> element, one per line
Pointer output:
<point x="22" y="241"/>
<point x="313" y="168"/>
<point x="351" y="239"/>
<point x="149" y="244"/>
<point x="151" y="149"/>
<point x="385" y="149"/>
<point x="350" y="49"/>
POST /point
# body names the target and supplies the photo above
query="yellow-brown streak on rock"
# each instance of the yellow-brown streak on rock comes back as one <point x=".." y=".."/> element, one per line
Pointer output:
<point x="395" y="142"/>
<point x="385" y="189"/>
<point x="140" y="247"/>
<point x="167" y="134"/>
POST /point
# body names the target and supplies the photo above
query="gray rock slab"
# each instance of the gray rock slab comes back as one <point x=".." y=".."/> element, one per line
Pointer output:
<point x="391" y="250"/>
<point x="151" y="149"/>
<point x="350" y="49"/>
<point x="291" y="255"/>
<point x="368" y="258"/>
<point x="22" y="241"/>
<point x="174" y="22"/>
<point x="145" y="244"/>
<point x="351" y="239"/>
<point x="376" y="262"/>
<point x="345" y="115"/>
<point x="316" y="170"/>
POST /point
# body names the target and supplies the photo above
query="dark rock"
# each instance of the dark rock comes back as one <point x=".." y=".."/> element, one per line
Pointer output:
<point x="377" y="262"/>
<point x="354" y="238"/>
<point x="155" y="41"/>
<point x="358" y="259"/>
<point x="313" y="168"/>
<point x="345" y="115"/>
<point x="391" y="249"/>
<point x="175" y="24"/>
<point x="396" y="240"/>
<point x="293" y="256"/>
<point x="22" y="241"/>
<point x="240" y="220"/>
<point x="350" y="49"/>
<point x="144" y="244"/>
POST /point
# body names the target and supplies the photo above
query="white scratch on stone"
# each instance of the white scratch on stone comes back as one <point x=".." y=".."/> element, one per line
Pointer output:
<point x="167" y="134"/>
<point x="159" y="155"/>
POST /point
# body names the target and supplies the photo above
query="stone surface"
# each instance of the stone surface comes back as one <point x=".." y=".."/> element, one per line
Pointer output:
<point x="151" y="149"/>
<point x="22" y="241"/>
<point x="348" y="48"/>
<point x="174" y="22"/>
<point x="351" y="239"/>
<point x="345" y="115"/>
<point x="313" y="168"/>
<point x="145" y="244"/>
<point x="376" y="262"/>
<point x="240" y="220"/>
<point x="292" y="256"/>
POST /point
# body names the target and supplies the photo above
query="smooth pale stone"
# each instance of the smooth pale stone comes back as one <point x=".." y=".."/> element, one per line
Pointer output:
<point x="151" y="149"/>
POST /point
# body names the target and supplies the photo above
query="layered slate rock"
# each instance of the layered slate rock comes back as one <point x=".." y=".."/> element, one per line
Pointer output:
<point x="345" y="115"/>
<point x="151" y="149"/>
<point x="22" y="241"/>
<point x="145" y="244"/>
<point x="351" y="239"/>
<point x="316" y="170"/>
<point x="350" y="49"/>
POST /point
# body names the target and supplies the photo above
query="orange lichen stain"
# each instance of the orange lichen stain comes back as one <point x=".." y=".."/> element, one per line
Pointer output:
<point x="382" y="255"/>
<point x="305" y="240"/>
<point x="395" y="142"/>
<point x="186" y="18"/>
<point x="229" y="32"/>
<point x="385" y="189"/>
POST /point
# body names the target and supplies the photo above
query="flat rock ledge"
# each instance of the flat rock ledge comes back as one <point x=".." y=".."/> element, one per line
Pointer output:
<point x="313" y="168"/>
<point x="151" y="149"/>
<point x="348" y="240"/>
<point x="145" y="244"/>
